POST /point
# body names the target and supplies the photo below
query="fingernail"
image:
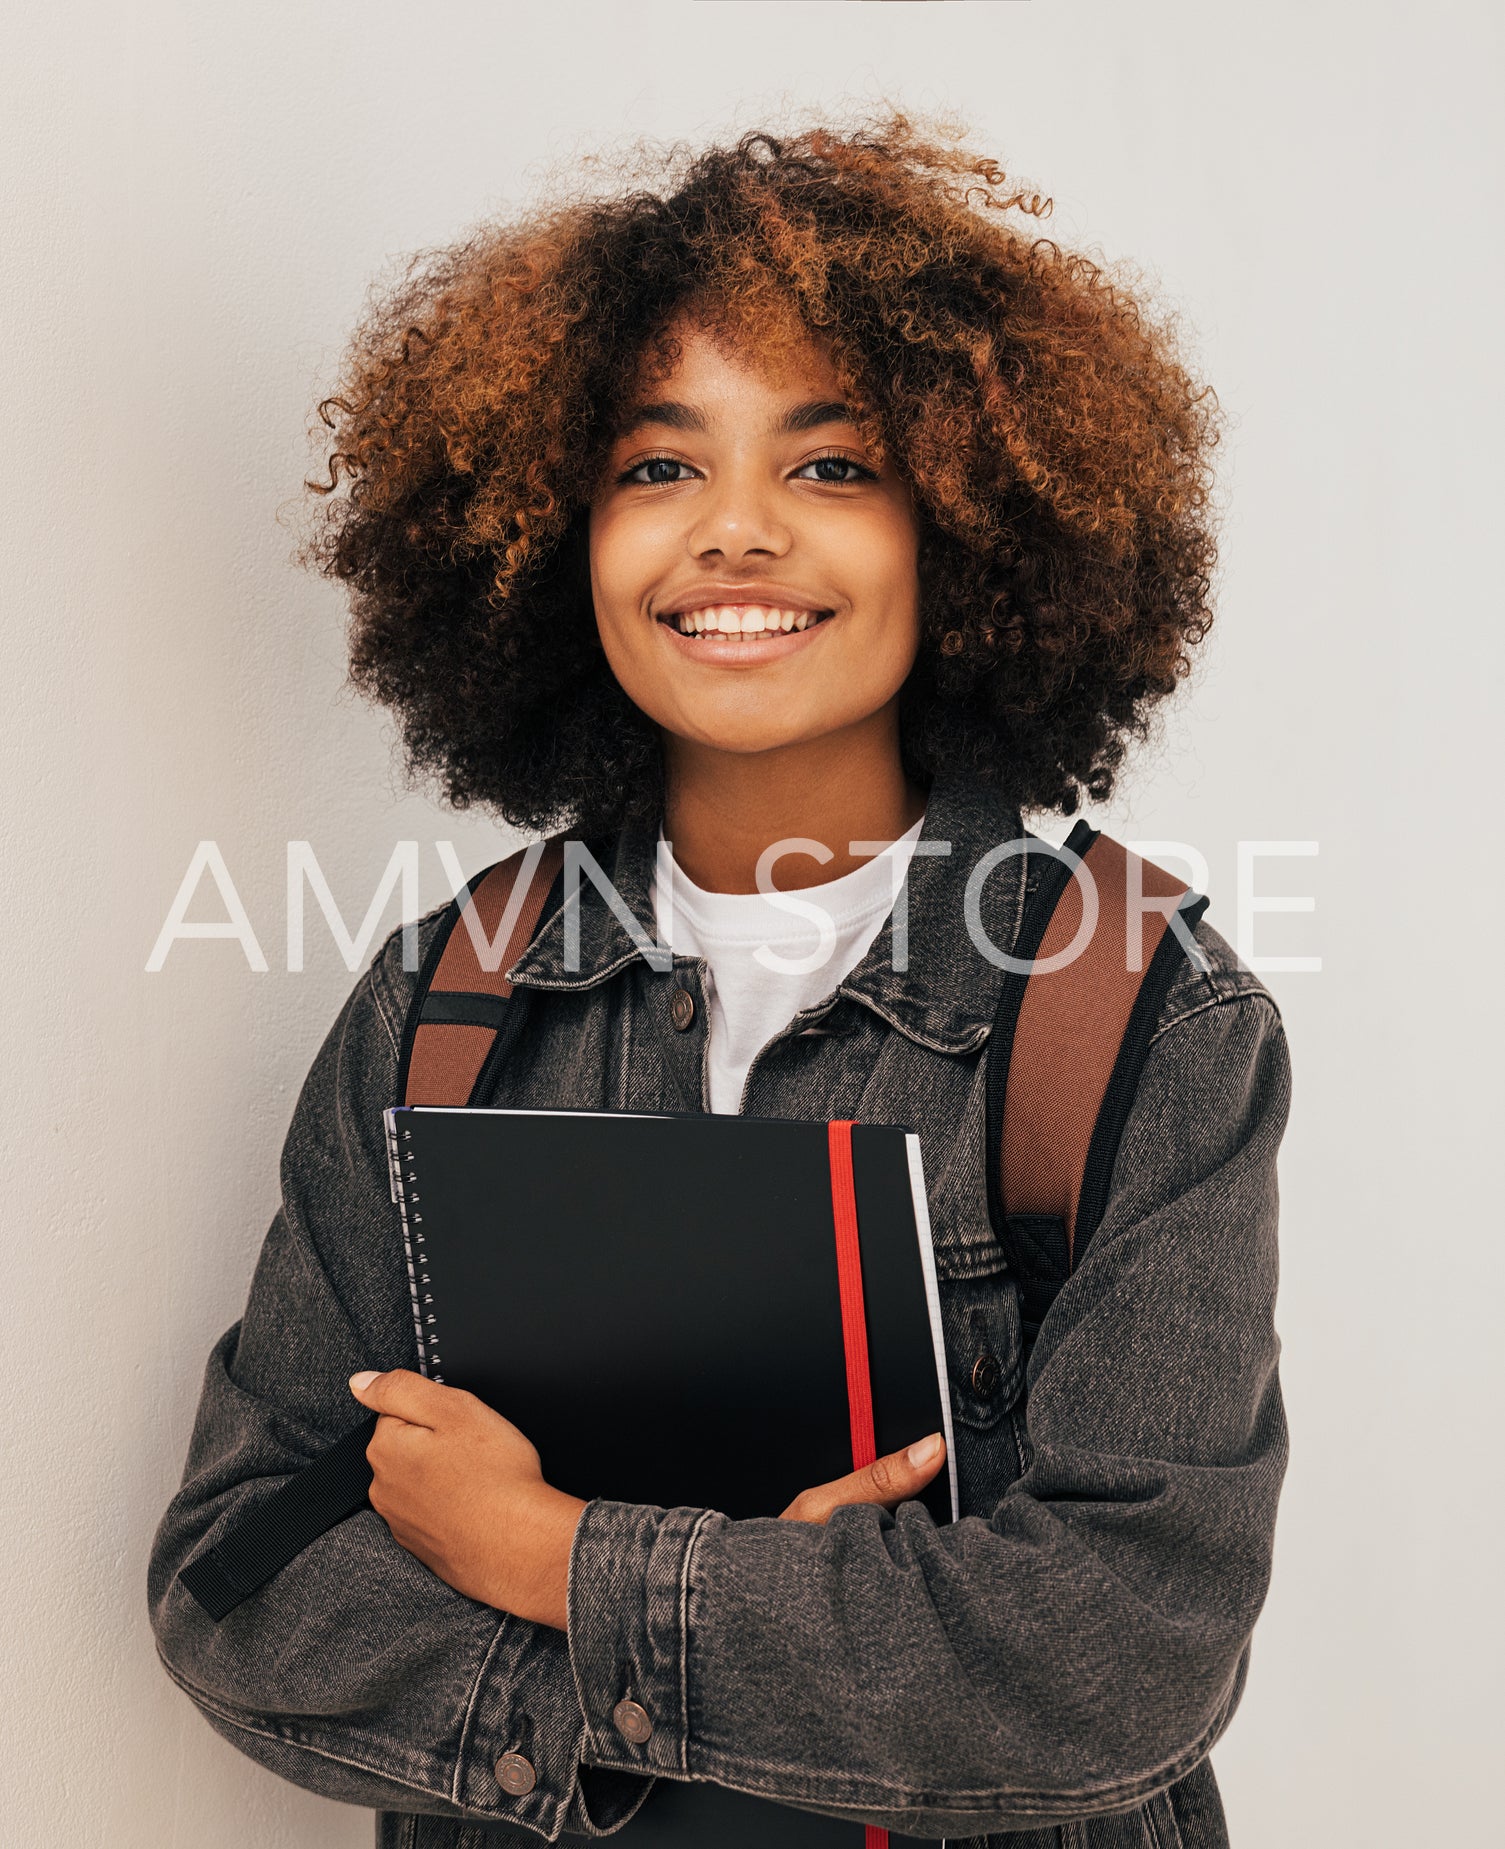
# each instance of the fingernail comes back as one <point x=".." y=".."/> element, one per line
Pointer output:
<point x="926" y="1450"/>
<point x="360" y="1382"/>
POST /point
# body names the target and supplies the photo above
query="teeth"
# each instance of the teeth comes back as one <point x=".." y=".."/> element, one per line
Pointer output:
<point x="742" y="619"/>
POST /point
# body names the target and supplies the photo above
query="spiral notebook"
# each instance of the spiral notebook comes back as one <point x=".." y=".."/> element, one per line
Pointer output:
<point x="658" y="1300"/>
<point x="699" y="1310"/>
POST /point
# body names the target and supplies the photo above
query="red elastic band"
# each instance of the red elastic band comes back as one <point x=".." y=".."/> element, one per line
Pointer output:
<point x="849" y="1280"/>
<point x="853" y="1327"/>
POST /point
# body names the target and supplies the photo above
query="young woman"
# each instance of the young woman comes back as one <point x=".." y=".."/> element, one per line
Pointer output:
<point x="806" y="513"/>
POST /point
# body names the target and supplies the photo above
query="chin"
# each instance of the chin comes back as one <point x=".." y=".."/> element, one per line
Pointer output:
<point x="744" y="719"/>
<point x="745" y="741"/>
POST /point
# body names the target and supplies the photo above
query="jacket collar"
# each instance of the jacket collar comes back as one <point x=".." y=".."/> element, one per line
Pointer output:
<point x="943" y="994"/>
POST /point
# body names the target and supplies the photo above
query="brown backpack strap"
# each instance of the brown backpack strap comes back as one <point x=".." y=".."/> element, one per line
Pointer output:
<point x="460" y="1006"/>
<point x="1069" y="1043"/>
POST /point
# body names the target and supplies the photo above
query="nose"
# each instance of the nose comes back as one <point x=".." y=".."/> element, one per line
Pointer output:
<point x="737" y="518"/>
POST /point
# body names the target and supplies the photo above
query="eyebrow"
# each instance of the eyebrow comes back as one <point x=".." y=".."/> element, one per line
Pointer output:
<point x="675" y="416"/>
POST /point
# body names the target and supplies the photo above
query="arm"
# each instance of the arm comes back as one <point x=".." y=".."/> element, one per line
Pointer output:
<point x="355" y="1672"/>
<point x="1085" y="1645"/>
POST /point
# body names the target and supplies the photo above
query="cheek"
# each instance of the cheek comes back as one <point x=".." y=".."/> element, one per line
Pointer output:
<point x="620" y="574"/>
<point x="885" y="578"/>
<point x="625" y="564"/>
<point x="881" y="653"/>
<point x="611" y="559"/>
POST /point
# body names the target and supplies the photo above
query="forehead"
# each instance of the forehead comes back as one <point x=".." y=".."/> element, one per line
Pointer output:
<point x="693" y="358"/>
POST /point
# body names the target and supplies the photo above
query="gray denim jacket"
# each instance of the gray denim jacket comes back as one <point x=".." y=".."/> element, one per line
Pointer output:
<point x="1051" y="1669"/>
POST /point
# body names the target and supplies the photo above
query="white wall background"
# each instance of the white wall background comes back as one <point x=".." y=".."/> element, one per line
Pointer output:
<point x="195" y="200"/>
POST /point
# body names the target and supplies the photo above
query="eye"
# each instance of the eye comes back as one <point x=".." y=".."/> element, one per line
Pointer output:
<point x="831" y="469"/>
<point x="659" y="472"/>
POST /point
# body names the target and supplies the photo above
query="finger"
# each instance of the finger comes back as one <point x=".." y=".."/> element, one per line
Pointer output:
<point x="402" y="1393"/>
<point x="888" y="1480"/>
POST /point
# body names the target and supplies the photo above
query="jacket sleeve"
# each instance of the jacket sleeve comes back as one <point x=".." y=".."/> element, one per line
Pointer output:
<point x="1083" y="1646"/>
<point x="355" y="1672"/>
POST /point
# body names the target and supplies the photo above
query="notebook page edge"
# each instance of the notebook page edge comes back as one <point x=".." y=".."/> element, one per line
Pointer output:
<point x="933" y="1307"/>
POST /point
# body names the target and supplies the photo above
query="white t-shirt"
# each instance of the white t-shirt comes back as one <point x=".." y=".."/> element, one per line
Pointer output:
<point x="765" y="959"/>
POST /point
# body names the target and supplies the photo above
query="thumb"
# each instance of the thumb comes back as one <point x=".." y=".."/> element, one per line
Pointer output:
<point x="402" y="1393"/>
<point x="901" y="1473"/>
<point x="888" y="1480"/>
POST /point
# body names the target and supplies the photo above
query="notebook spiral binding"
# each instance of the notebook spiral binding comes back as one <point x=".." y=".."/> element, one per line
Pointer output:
<point x="406" y="1197"/>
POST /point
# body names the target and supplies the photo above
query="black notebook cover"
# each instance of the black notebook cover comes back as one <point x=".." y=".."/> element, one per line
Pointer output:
<point x="654" y="1301"/>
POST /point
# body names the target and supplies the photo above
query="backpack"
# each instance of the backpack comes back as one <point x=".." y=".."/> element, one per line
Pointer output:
<point x="1068" y="1044"/>
<point x="1064" y="1057"/>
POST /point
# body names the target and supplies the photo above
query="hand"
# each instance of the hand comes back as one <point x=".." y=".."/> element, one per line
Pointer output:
<point x="889" y="1480"/>
<point x="462" y="1489"/>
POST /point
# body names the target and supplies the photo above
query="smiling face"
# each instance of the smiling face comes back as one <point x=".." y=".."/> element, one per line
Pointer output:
<point x="753" y="566"/>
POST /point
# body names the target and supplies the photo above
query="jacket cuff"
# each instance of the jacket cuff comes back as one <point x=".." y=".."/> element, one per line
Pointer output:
<point x="629" y="1579"/>
<point x="523" y="1706"/>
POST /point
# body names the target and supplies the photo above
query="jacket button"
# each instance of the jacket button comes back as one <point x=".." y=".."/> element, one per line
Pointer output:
<point x="681" y="1009"/>
<point x="985" y="1377"/>
<point x="632" y="1722"/>
<point x="515" y="1774"/>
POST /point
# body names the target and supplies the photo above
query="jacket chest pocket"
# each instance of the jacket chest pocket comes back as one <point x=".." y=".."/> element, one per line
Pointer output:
<point x="980" y="1321"/>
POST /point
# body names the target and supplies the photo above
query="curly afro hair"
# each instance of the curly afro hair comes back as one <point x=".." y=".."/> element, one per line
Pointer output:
<point x="1056" y="446"/>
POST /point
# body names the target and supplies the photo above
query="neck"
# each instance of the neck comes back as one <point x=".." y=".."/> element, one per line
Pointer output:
<point x="723" y="809"/>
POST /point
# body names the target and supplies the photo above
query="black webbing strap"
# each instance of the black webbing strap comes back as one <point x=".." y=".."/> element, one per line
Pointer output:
<point x="459" y="1025"/>
<point x="324" y="1492"/>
